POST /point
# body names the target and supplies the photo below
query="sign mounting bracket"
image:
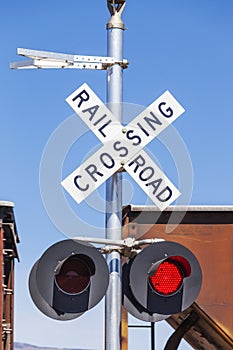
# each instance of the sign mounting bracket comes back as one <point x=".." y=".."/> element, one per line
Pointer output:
<point x="46" y="59"/>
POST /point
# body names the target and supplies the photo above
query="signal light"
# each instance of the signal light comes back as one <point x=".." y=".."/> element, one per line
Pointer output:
<point x="167" y="279"/>
<point x="40" y="303"/>
<point x="70" y="278"/>
<point x="163" y="279"/>
<point x="74" y="274"/>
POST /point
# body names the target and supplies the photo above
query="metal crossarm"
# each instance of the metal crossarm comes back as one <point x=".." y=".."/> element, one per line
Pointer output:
<point x="46" y="59"/>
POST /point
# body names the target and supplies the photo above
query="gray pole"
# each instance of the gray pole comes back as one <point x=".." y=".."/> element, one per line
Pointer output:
<point x="115" y="28"/>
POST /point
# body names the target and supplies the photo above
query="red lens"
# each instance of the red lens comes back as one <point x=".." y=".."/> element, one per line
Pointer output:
<point x="74" y="275"/>
<point x="167" y="278"/>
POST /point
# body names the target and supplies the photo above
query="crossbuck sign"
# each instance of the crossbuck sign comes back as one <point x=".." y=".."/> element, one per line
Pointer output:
<point x="122" y="147"/>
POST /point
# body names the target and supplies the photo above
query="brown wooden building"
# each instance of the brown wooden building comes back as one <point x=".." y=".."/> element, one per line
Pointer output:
<point x="208" y="233"/>
<point x="8" y="254"/>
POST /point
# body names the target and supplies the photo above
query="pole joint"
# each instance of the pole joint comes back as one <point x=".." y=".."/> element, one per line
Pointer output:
<point x="123" y="64"/>
<point x="116" y="8"/>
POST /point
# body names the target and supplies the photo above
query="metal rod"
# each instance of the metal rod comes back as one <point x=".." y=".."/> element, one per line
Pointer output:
<point x="113" y="242"/>
<point x="138" y="326"/>
<point x="127" y="242"/>
<point x="152" y="336"/>
<point x="148" y="241"/>
<point x="152" y="332"/>
<point x="115" y="30"/>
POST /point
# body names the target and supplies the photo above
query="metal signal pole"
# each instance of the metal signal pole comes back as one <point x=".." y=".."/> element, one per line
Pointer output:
<point x="115" y="29"/>
<point x="114" y="64"/>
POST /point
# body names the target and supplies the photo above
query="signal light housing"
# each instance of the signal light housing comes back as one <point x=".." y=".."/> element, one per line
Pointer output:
<point x="70" y="278"/>
<point x="163" y="279"/>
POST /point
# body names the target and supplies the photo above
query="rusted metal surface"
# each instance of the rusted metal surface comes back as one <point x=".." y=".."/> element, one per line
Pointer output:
<point x="208" y="233"/>
<point x="1" y="276"/>
<point x="124" y="329"/>
<point x="181" y="331"/>
<point x="8" y="252"/>
<point x="203" y="333"/>
<point x="8" y="304"/>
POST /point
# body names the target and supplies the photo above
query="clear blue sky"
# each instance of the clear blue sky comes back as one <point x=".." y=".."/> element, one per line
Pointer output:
<point x="181" y="46"/>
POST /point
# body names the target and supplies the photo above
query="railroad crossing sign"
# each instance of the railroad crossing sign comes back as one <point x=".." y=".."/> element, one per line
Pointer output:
<point x="122" y="146"/>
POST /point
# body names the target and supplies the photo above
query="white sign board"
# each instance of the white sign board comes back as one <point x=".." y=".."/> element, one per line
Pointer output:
<point x="122" y="146"/>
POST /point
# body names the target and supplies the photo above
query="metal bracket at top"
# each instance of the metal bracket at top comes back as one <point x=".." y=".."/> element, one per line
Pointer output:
<point x="116" y="8"/>
<point x="44" y="59"/>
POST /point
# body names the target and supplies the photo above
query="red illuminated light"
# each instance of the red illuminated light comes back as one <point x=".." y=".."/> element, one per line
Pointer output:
<point x="168" y="277"/>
